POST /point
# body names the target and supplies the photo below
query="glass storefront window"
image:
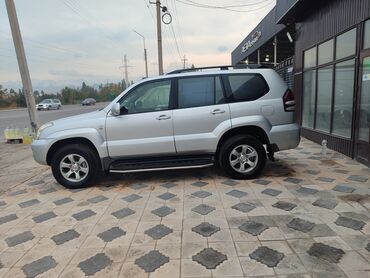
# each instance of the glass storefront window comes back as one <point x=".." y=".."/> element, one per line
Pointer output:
<point x="324" y="95"/>
<point x="364" y="125"/>
<point x="346" y="44"/>
<point x="343" y="98"/>
<point x="309" y="86"/>
<point x="326" y="52"/>
<point x="367" y="34"/>
<point x="310" y="58"/>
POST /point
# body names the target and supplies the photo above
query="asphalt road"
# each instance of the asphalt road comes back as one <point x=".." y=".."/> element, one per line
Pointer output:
<point x="19" y="117"/>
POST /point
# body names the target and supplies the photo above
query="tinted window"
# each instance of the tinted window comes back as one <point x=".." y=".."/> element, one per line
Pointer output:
<point x="153" y="96"/>
<point x="367" y="34"/>
<point x="199" y="91"/>
<point x="346" y="44"/>
<point x="310" y="58"/>
<point x="326" y="52"/>
<point x="247" y="87"/>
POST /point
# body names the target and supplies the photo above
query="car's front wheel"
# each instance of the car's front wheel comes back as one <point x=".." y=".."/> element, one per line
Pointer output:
<point x="242" y="157"/>
<point x="75" y="166"/>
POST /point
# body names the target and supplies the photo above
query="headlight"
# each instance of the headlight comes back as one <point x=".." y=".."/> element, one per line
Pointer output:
<point x="44" y="126"/>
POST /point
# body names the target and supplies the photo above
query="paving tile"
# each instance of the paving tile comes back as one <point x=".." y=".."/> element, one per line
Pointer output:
<point x="39" y="266"/>
<point x="111" y="234"/>
<point x="306" y="190"/>
<point x="18" y="192"/>
<point x="63" y="201"/>
<point x="159" y="231"/>
<point x="47" y="191"/>
<point x="166" y="196"/>
<point x="206" y="229"/>
<point x="230" y="182"/>
<point x="325" y="179"/>
<point x="95" y="264"/>
<point x="131" y="198"/>
<point x="253" y="227"/>
<point x="267" y="256"/>
<point x="358" y="178"/>
<point x="312" y="172"/>
<point x="122" y="213"/>
<point x="262" y="182"/>
<point x="168" y="185"/>
<point x="152" y="260"/>
<point x="44" y="217"/>
<point x="271" y="192"/>
<point x="83" y="214"/>
<point x="163" y="211"/>
<point x="8" y="218"/>
<point x="350" y="223"/>
<point x="2" y="203"/>
<point x="29" y="203"/>
<point x="138" y="186"/>
<point x="199" y="183"/>
<point x="97" y="199"/>
<point x="368" y="247"/>
<point x="328" y="203"/>
<point x="37" y="182"/>
<point x="301" y="225"/>
<point x="65" y="236"/>
<point x="201" y="194"/>
<point x="293" y="180"/>
<point x="244" y="207"/>
<point x="203" y="209"/>
<point x="209" y="258"/>
<point x="343" y="188"/>
<point x="237" y="193"/>
<point x="19" y="238"/>
<point x="326" y="252"/>
<point x="284" y="205"/>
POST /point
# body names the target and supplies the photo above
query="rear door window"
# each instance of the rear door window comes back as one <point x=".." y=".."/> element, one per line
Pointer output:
<point x="246" y="87"/>
<point x="199" y="91"/>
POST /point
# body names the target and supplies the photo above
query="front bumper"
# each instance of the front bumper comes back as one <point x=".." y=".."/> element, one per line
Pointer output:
<point x="40" y="150"/>
<point x="285" y="136"/>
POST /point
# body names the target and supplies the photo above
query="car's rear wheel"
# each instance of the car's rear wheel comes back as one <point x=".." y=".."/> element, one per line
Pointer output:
<point x="75" y="166"/>
<point x="242" y="157"/>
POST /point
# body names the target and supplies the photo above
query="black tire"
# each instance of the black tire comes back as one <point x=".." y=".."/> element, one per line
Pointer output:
<point x="233" y="142"/>
<point x="84" y="151"/>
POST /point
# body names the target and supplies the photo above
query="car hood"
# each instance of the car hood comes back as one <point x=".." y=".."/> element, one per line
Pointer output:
<point x="94" y="120"/>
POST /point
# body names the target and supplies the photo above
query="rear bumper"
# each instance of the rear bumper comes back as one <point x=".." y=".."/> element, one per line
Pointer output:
<point x="285" y="136"/>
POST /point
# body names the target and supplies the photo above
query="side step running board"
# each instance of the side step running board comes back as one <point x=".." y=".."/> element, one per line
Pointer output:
<point x="170" y="163"/>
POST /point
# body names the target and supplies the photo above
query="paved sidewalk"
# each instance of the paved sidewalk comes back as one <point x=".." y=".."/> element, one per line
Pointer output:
<point x="306" y="216"/>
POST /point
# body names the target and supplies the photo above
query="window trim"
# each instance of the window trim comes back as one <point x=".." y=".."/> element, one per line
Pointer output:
<point x="171" y="100"/>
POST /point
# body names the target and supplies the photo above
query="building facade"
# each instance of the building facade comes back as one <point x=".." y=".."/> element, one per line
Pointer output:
<point x="330" y="42"/>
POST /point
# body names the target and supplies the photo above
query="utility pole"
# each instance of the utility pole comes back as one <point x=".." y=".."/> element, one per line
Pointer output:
<point x="184" y="60"/>
<point x="22" y="64"/>
<point x="126" y="69"/>
<point x="145" y="55"/>
<point x="159" y="35"/>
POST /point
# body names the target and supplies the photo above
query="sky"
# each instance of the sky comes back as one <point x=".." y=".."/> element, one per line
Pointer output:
<point x="71" y="41"/>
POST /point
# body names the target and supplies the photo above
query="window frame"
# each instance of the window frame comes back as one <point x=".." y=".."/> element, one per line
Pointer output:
<point x="176" y="90"/>
<point x="332" y="63"/>
<point x="131" y="91"/>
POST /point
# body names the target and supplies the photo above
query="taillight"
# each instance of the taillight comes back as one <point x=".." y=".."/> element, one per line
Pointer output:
<point x="288" y="101"/>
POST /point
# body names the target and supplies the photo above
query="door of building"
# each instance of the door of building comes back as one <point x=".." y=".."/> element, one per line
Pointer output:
<point x="363" y="111"/>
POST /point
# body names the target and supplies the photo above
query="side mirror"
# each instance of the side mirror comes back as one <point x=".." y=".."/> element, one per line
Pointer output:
<point x="116" y="109"/>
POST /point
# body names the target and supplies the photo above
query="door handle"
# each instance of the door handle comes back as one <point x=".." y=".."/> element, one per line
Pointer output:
<point x="217" y="111"/>
<point x="163" y="117"/>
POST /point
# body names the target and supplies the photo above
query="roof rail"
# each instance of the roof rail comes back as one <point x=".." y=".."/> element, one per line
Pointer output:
<point x="239" y="66"/>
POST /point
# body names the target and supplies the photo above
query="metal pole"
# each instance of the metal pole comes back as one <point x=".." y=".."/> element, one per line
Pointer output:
<point x="275" y="50"/>
<point x="145" y="54"/>
<point x="159" y="37"/>
<point x="126" y="69"/>
<point x="258" y="56"/>
<point x="22" y="64"/>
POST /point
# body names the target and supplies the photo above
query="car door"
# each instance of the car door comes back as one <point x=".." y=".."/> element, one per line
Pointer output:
<point x="201" y="116"/>
<point x="144" y="127"/>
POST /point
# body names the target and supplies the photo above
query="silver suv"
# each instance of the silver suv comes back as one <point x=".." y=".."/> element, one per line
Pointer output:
<point x="185" y="119"/>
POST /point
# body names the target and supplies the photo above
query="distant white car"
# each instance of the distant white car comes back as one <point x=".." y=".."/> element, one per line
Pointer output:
<point x="48" y="104"/>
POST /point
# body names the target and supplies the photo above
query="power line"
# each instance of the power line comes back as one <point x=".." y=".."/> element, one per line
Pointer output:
<point x="199" y="5"/>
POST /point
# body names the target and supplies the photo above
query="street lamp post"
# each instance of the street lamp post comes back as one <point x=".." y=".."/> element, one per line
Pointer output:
<point x="145" y="54"/>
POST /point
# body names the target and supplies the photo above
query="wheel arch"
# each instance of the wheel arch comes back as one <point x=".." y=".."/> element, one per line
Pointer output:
<point x="252" y="130"/>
